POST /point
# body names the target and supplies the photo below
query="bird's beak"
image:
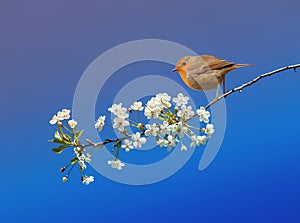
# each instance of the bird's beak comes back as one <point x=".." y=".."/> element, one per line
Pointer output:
<point x="174" y="70"/>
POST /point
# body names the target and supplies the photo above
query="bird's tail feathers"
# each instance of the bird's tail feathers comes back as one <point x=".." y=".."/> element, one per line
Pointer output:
<point x="243" y="65"/>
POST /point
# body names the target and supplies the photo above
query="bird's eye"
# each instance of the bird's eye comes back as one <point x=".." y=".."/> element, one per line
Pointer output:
<point x="183" y="63"/>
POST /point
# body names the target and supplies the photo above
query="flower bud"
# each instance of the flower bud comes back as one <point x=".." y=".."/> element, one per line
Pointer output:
<point x="62" y="169"/>
<point x="141" y="126"/>
<point x="59" y="124"/>
<point x="65" y="178"/>
<point x="176" y="110"/>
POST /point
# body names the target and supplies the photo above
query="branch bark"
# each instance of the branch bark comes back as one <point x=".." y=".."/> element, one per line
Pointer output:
<point x="294" y="67"/>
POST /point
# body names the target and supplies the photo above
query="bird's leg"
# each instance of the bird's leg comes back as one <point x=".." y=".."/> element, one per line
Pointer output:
<point x="218" y="87"/>
<point x="224" y="86"/>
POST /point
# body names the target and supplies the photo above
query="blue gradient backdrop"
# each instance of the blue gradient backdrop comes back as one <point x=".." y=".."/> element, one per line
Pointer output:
<point x="45" y="47"/>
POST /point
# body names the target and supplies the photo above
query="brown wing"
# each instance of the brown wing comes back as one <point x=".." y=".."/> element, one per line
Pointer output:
<point x="208" y="71"/>
<point x="215" y="63"/>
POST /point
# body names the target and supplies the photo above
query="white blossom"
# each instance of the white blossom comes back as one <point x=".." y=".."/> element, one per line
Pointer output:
<point x="149" y="113"/>
<point x="82" y="159"/>
<point x="119" y="111"/>
<point x="122" y="113"/>
<point x="64" y="114"/>
<point x="164" y="98"/>
<point x="88" y="158"/>
<point x="127" y="145"/>
<point x="116" y="164"/>
<point x="78" y="151"/>
<point x="171" y="142"/>
<point x="100" y="123"/>
<point x="61" y="115"/>
<point x="181" y="129"/>
<point x="137" y="106"/>
<point x="197" y="141"/>
<point x="178" y="129"/>
<point x="185" y="112"/>
<point x="120" y="123"/>
<point x="138" y="140"/>
<point x="82" y="165"/>
<point x="202" y="139"/>
<point x="115" y="108"/>
<point x="54" y="120"/>
<point x="152" y="130"/>
<point x="72" y="123"/>
<point x="156" y="104"/>
<point x="87" y="180"/>
<point x="164" y="128"/>
<point x="209" y="130"/>
<point x="203" y="115"/>
<point x="153" y="108"/>
<point x="162" y="142"/>
<point x="181" y="99"/>
<point x="172" y="127"/>
<point x="194" y="142"/>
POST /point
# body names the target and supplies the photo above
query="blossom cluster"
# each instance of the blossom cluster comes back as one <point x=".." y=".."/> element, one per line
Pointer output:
<point x="173" y="115"/>
<point x="70" y="139"/>
<point x="171" y="124"/>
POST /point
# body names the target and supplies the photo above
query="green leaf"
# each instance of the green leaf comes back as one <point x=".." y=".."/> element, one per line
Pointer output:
<point x="67" y="138"/>
<point x="168" y="114"/>
<point x="57" y="135"/>
<point x="74" y="160"/>
<point x="59" y="149"/>
<point x="56" y="141"/>
<point x="78" y="134"/>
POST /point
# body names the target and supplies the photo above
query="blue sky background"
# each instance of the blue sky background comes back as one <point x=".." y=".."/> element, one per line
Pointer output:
<point x="46" y="46"/>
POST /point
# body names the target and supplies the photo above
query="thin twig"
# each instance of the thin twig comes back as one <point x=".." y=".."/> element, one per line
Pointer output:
<point x="106" y="141"/>
<point x="294" y="67"/>
<point x="90" y="143"/>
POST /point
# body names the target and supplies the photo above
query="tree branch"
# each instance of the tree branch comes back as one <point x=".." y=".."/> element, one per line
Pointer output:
<point x="294" y="67"/>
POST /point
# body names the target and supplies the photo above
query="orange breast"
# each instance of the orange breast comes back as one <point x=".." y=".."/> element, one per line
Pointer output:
<point x="184" y="78"/>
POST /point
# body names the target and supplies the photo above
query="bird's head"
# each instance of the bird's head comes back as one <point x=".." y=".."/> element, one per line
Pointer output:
<point x="183" y="64"/>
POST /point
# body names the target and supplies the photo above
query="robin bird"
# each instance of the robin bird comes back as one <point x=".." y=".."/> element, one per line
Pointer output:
<point x="205" y="72"/>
